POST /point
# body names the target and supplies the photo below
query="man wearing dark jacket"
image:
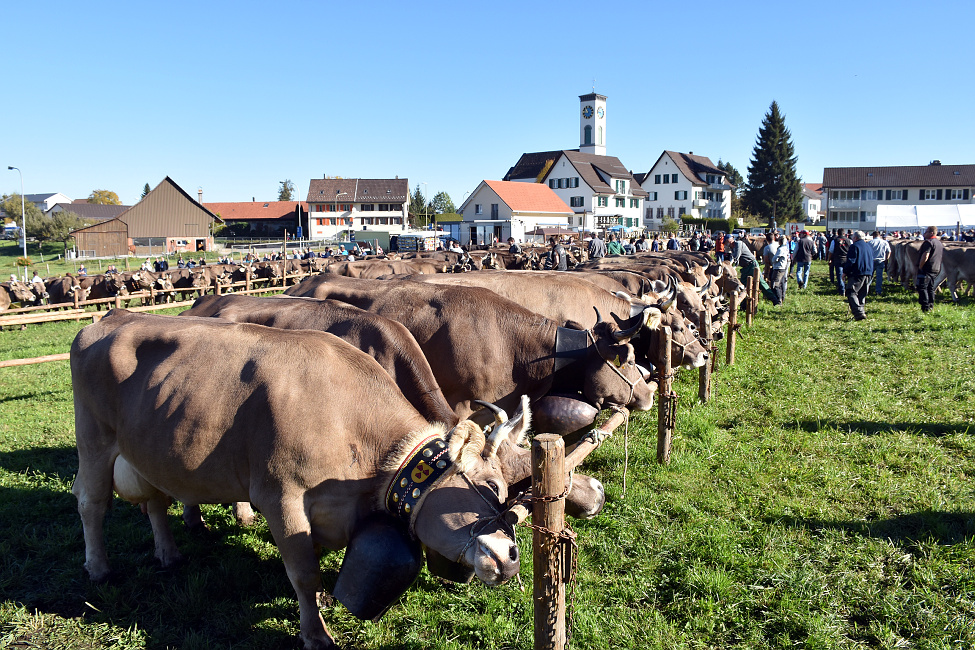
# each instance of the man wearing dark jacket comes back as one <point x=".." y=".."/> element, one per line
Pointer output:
<point x="928" y="267"/>
<point x="859" y="272"/>
<point x="805" y="251"/>
<point x="837" y="258"/>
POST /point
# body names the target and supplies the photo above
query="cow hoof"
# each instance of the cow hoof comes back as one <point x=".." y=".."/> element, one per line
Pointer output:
<point x="101" y="578"/>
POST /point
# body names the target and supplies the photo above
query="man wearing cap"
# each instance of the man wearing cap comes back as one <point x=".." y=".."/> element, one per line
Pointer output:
<point x="859" y="271"/>
<point x="881" y="252"/>
<point x="805" y="251"/>
<point x="928" y="267"/>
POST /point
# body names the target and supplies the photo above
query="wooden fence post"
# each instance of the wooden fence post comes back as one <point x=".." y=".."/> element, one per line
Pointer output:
<point x="247" y="277"/>
<point x="733" y="326"/>
<point x="704" y="376"/>
<point x="548" y="594"/>
<point x="665" y="398"/>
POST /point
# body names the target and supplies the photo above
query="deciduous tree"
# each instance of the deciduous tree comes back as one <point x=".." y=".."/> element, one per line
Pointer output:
<point x="442" y="204"/>
<point x="104" y="197"/>
<point x="773" y="189"/>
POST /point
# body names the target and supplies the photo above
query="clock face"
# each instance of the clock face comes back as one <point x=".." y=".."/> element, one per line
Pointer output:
<point x="587" y="112"/>
<point x="600" y="112"/>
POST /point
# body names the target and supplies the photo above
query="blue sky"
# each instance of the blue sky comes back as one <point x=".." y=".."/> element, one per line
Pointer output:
<point x="235" y="97"/>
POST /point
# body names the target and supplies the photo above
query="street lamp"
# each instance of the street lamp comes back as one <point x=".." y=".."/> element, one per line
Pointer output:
<point x="23" y="215"/>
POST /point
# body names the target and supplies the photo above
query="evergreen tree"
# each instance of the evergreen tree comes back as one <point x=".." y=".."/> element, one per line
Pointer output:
<point x="145" y="191"/>
<point x="286" y="191"/>
<point x="773" y="189"/>
<point x="419" y="212"/>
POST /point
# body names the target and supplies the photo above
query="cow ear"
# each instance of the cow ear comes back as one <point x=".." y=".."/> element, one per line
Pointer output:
<point x="513" y="430"/>
<point x="654" y="319"/>
<point x="464" y="443"/>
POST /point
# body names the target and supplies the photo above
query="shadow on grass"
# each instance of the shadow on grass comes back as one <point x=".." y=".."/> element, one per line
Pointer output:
<point x="867" y="428"/>
<point x="56" y="461"/>
<point x="943" y="528"/>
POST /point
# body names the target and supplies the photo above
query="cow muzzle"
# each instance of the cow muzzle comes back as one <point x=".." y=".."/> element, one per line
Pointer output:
<point x="495" y="558"/>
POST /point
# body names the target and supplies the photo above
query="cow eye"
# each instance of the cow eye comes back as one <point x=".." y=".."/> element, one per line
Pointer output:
<point x="494" y="488"/>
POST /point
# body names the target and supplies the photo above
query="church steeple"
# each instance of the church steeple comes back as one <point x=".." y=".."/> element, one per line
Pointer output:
<point x="592" y="124"/>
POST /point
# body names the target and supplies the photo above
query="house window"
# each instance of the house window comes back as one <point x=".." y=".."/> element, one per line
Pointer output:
<point x="955" y="195"/>
<point x="575" y="181"/>
<point x="673" y="178"/>
<point x="846" y="195"/>
<point x="651" y="196"/>
<point x="620" y="187"/>
<point x="670" y="212"/>
<point x="600" y="132"/>
<point x="551" y="183"/>
<point x="620" y="203"/>
<point x="870" y="195"/>
<point x="478" y="209"/>
<point x="367" y="207"/>
<point x="680" y="195"/>
<point x="576" y="201"/>
<point x="494" y="210"/>
<point x="602" y="201"/>
<point x="660" y="213"/>
<point x="346" y="207"/>
<point x="682" y="212"/>
<point x="587" y="135"/>
<point x="845" y="216"/>
<point x="635" y="203"/>
<point x="656" y="179"/>
<point x="929" y="195"/>
<point x="666" y="178"/>
<point x="896" y="195"/>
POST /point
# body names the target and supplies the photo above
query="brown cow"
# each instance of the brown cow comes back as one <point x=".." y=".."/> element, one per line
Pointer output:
<point x="481" y="346"/>
<point x="320" y="457"/>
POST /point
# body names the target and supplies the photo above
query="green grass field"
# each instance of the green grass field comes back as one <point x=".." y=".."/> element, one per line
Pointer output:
<point x="823" y="499"/>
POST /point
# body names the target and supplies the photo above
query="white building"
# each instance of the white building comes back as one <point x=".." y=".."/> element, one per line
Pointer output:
<point x="502" y="209"/>
<point x="855" y="192"/>
<point x="341" y="205"/>
<point x="599" y="189"/>
<point x="46" y="201"/>
<point x="812" y="202"/>
<point x="682" y="183"/>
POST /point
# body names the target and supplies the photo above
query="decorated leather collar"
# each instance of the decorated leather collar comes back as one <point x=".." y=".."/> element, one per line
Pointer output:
<point x="423" y="466"/>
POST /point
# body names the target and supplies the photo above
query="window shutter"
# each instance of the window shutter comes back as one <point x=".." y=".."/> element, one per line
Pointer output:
<point x="677" y="196"/>
<point x="920" y="195"/>
<point x="964" y="194"/>
<point x="904" y="195"/>
<point x="888" y="195"/>
<point x="939" y="195"/>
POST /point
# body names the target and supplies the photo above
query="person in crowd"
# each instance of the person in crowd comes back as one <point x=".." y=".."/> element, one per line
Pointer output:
<point x="838" y="250"/>
<point x="780" y="271"/>
<point x="597" y="247"/>
<point x="673" y="244"/>
<point x="513" y="247"/>
<point x="805" y="251"/>
<point x="641" y="244"/>
<point x="557" y="255"/>
<point x="881" y="252"/>
<point x="928" y="267"/>
<point x="695" y="242"/>
<point x="741" y="255"/>
<point x="655" y="244"/>
<point x="719" y="247"/>
<point x="614" y="247"/>
<point x="628" y="246"/>
<point x="82" y="271"/>
<point x="771" y="245"/>
<point x="820" y="246"/>
<point x="858" y="268"/>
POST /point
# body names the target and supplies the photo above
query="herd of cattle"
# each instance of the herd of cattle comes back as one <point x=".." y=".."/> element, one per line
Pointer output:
<point x="374" y="396"/>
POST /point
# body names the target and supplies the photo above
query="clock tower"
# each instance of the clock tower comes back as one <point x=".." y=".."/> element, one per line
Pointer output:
<point x="592" y="124"/>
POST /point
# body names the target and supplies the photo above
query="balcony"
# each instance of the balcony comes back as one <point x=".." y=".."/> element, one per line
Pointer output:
<point x="700" y="203"/>
<point x="719" y="187"/>
<point x="844" y="204"/>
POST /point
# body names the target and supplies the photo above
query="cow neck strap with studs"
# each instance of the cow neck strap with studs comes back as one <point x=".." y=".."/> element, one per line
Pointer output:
<point x="421" y="469"/>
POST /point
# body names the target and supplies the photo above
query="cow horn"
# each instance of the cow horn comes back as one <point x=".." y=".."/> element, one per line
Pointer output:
<point x="599" y="317"/>
<point x="499" y="415"/>
<point x="622" y="294"/>
<point x="703" y="290"/>
<point x="687" y="265"/>
<point x="628" y="328"/>
<point x="668" y="302"/>
<point x="518" y="424"/>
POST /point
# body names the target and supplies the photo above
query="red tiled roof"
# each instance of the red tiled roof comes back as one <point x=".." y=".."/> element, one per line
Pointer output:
<point x="255" y="210"/>
<point x="529" y="197"/>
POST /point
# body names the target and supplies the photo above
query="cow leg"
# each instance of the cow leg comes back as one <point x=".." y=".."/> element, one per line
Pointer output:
<point x="93" y="489"/>
<point x="243" y="513"/>
<point x="291" y="530"/>
<point x="193" y="518"/>
<point x="166" y="551"/>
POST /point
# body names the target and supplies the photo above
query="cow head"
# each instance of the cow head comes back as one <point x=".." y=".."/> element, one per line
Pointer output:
<point x="612" y="375"/>
<point x="461" y="516"/>
<point x="21" y="292"/>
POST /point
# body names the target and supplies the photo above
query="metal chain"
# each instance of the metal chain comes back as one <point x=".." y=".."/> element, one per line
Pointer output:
<point x="565" y="540"/>
<point x="670" y="416"/>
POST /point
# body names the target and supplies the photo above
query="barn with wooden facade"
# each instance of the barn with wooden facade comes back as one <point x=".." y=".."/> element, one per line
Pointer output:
<point x="106" y="239"/>
<point x="168" y="220"/>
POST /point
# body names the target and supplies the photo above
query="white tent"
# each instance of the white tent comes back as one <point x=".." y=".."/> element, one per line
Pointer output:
<point x="920" y="216"/>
